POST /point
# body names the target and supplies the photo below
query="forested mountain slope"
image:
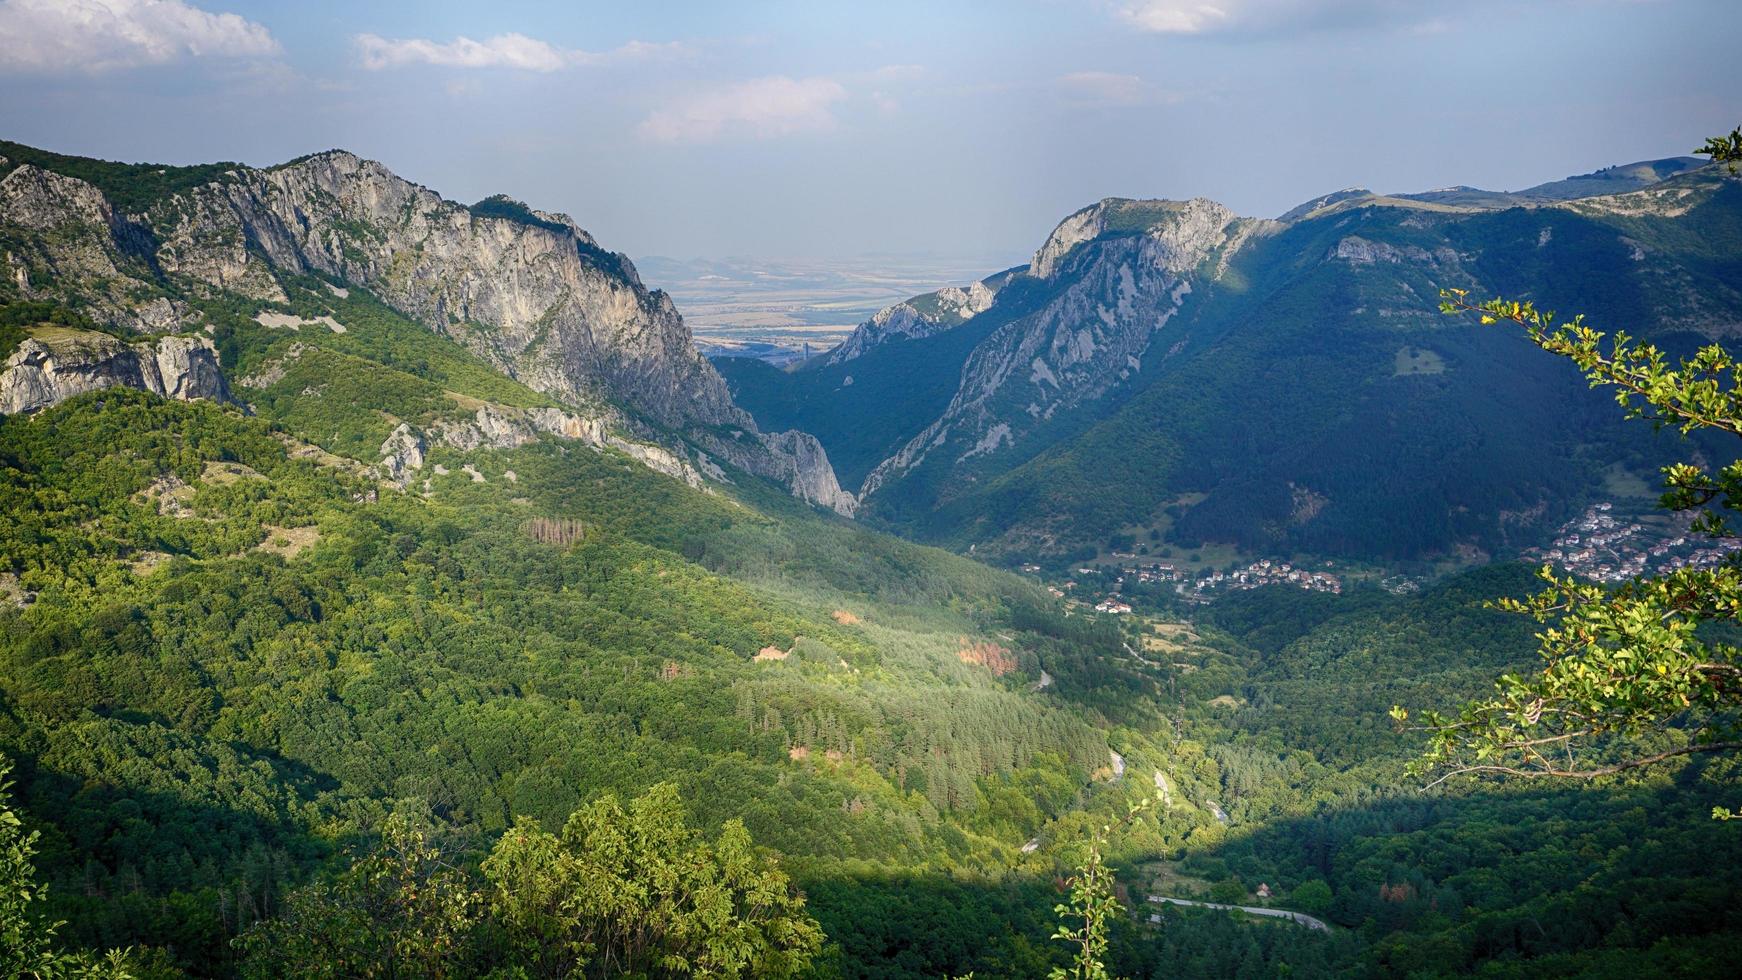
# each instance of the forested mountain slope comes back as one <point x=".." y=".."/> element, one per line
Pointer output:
<point x="306" y="566"/>
<point x="228" y="650"/>
<point x="1278" y="385"/>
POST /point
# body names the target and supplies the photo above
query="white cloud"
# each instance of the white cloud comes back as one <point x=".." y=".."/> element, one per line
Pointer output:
<point x="1175" y="16"/>
<point x="502" y="51"/>
<point x="1110" y="89"/>
<point x="1261" y="16"/>
<point x="773" y="106"/>
<point x="630" y="52"/>
<point x="104" y="35"/>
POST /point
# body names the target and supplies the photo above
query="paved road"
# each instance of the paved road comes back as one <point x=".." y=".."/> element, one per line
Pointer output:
<point x="1296" y="917"/>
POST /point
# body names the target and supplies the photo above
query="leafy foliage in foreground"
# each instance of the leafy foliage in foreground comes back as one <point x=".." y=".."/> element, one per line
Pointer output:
<point x="1630" y="676"/>
<point x="620" y="891"/>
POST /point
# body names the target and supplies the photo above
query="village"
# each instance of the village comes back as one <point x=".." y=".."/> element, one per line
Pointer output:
<point x="1600" y="546"/>
<point x="1258" y="574"/>
<point x="1199" y="588"/>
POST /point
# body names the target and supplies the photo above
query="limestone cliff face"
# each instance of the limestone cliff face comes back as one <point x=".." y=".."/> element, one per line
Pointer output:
<point x="56" y="364"/>
<point x="810" y="475"/>
<point x="921" y="316"/>
<point x="1119" y="272"/>
<point x="528" y="291"/>
<point x="556" y="311"/>
<point x="58" y="231"/>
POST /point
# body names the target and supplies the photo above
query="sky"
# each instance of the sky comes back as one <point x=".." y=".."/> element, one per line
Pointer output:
<point x="820" y="129"/>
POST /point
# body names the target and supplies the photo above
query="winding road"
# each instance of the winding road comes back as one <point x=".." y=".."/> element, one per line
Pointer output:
<point x="1295" y="917"/>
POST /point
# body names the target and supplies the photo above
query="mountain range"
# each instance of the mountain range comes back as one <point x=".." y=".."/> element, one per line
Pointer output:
<point x="529" y="292"/>
<point x="330" y="508"/>
<point x="1171" y="370"/>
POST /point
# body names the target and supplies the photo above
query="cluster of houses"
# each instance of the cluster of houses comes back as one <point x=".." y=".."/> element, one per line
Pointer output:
<point x="1152" y="573"/>
<point x="1597" y="545"/>
<point x="1261" y="573"/>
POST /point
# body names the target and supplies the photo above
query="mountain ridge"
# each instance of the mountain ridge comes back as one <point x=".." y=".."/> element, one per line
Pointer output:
<point x="539" y="299"/>
<point x="1377" y="261"/>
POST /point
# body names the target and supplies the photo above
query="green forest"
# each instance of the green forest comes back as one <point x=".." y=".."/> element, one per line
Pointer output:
<point x="264" y="711"/>
<point x="1278" y="381"/>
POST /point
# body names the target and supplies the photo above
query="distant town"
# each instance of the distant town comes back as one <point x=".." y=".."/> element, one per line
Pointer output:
<point x="1598" y="545"/>
<point x="1199" y="588"/>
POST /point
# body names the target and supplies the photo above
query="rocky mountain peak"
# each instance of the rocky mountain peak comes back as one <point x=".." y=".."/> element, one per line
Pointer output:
<point x="1187" y="227"/>
<point x="528" y="291"/>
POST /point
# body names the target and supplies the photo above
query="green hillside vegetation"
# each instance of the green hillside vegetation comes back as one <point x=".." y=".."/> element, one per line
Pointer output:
<point x="202" y="720"/>
<point x="132" y="187"/>
<point x="1408" y="464"/>
<point x="563" y="715"/>
<point x="204" y="724"/>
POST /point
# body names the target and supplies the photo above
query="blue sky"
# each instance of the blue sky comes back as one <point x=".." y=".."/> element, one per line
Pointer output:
<point x="822" y="129"/>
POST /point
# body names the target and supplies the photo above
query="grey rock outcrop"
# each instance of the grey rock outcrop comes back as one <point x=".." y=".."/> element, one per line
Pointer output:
<point x="500" y="427"/>
<point x="1124" y="269"/>
<point x="54" y="365"/>
<point x="402" y="454"/>
<point x="811" y="477"/>
<point x="66" y="232"/>
<point x="558" y="312"/>
<point x="919" y="317"/>
<point x="530" y="292"/>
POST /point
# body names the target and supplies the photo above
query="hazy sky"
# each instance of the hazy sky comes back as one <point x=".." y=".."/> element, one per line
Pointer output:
<point x="814" y="128"/>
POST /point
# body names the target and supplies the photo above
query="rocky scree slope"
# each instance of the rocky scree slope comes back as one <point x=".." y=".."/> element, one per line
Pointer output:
<point x="528" y="291"/>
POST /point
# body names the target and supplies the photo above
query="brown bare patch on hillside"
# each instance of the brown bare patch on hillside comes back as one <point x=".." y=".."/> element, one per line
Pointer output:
<point x="986" y="654"/>
<point x="559" y="531"/>
<point x="771" y="653"/>
<point x="844" y="617"/>
<point x="1306" y="503"/>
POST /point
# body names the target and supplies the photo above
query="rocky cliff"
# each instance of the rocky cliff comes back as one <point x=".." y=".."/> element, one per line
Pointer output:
<point x="1118" y="272"/>
<point x="55" y="364"/>
<point x="558" y="312"/>
<point x="529" y="291"/>
<point x="919" y="317"/>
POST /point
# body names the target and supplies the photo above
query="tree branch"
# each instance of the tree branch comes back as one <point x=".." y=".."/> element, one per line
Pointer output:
<point x="1589" y="773"/>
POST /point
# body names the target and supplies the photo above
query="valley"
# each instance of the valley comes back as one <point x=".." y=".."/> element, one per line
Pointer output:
<point x="784" y="312"/>
<point x="343" y="523"/>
